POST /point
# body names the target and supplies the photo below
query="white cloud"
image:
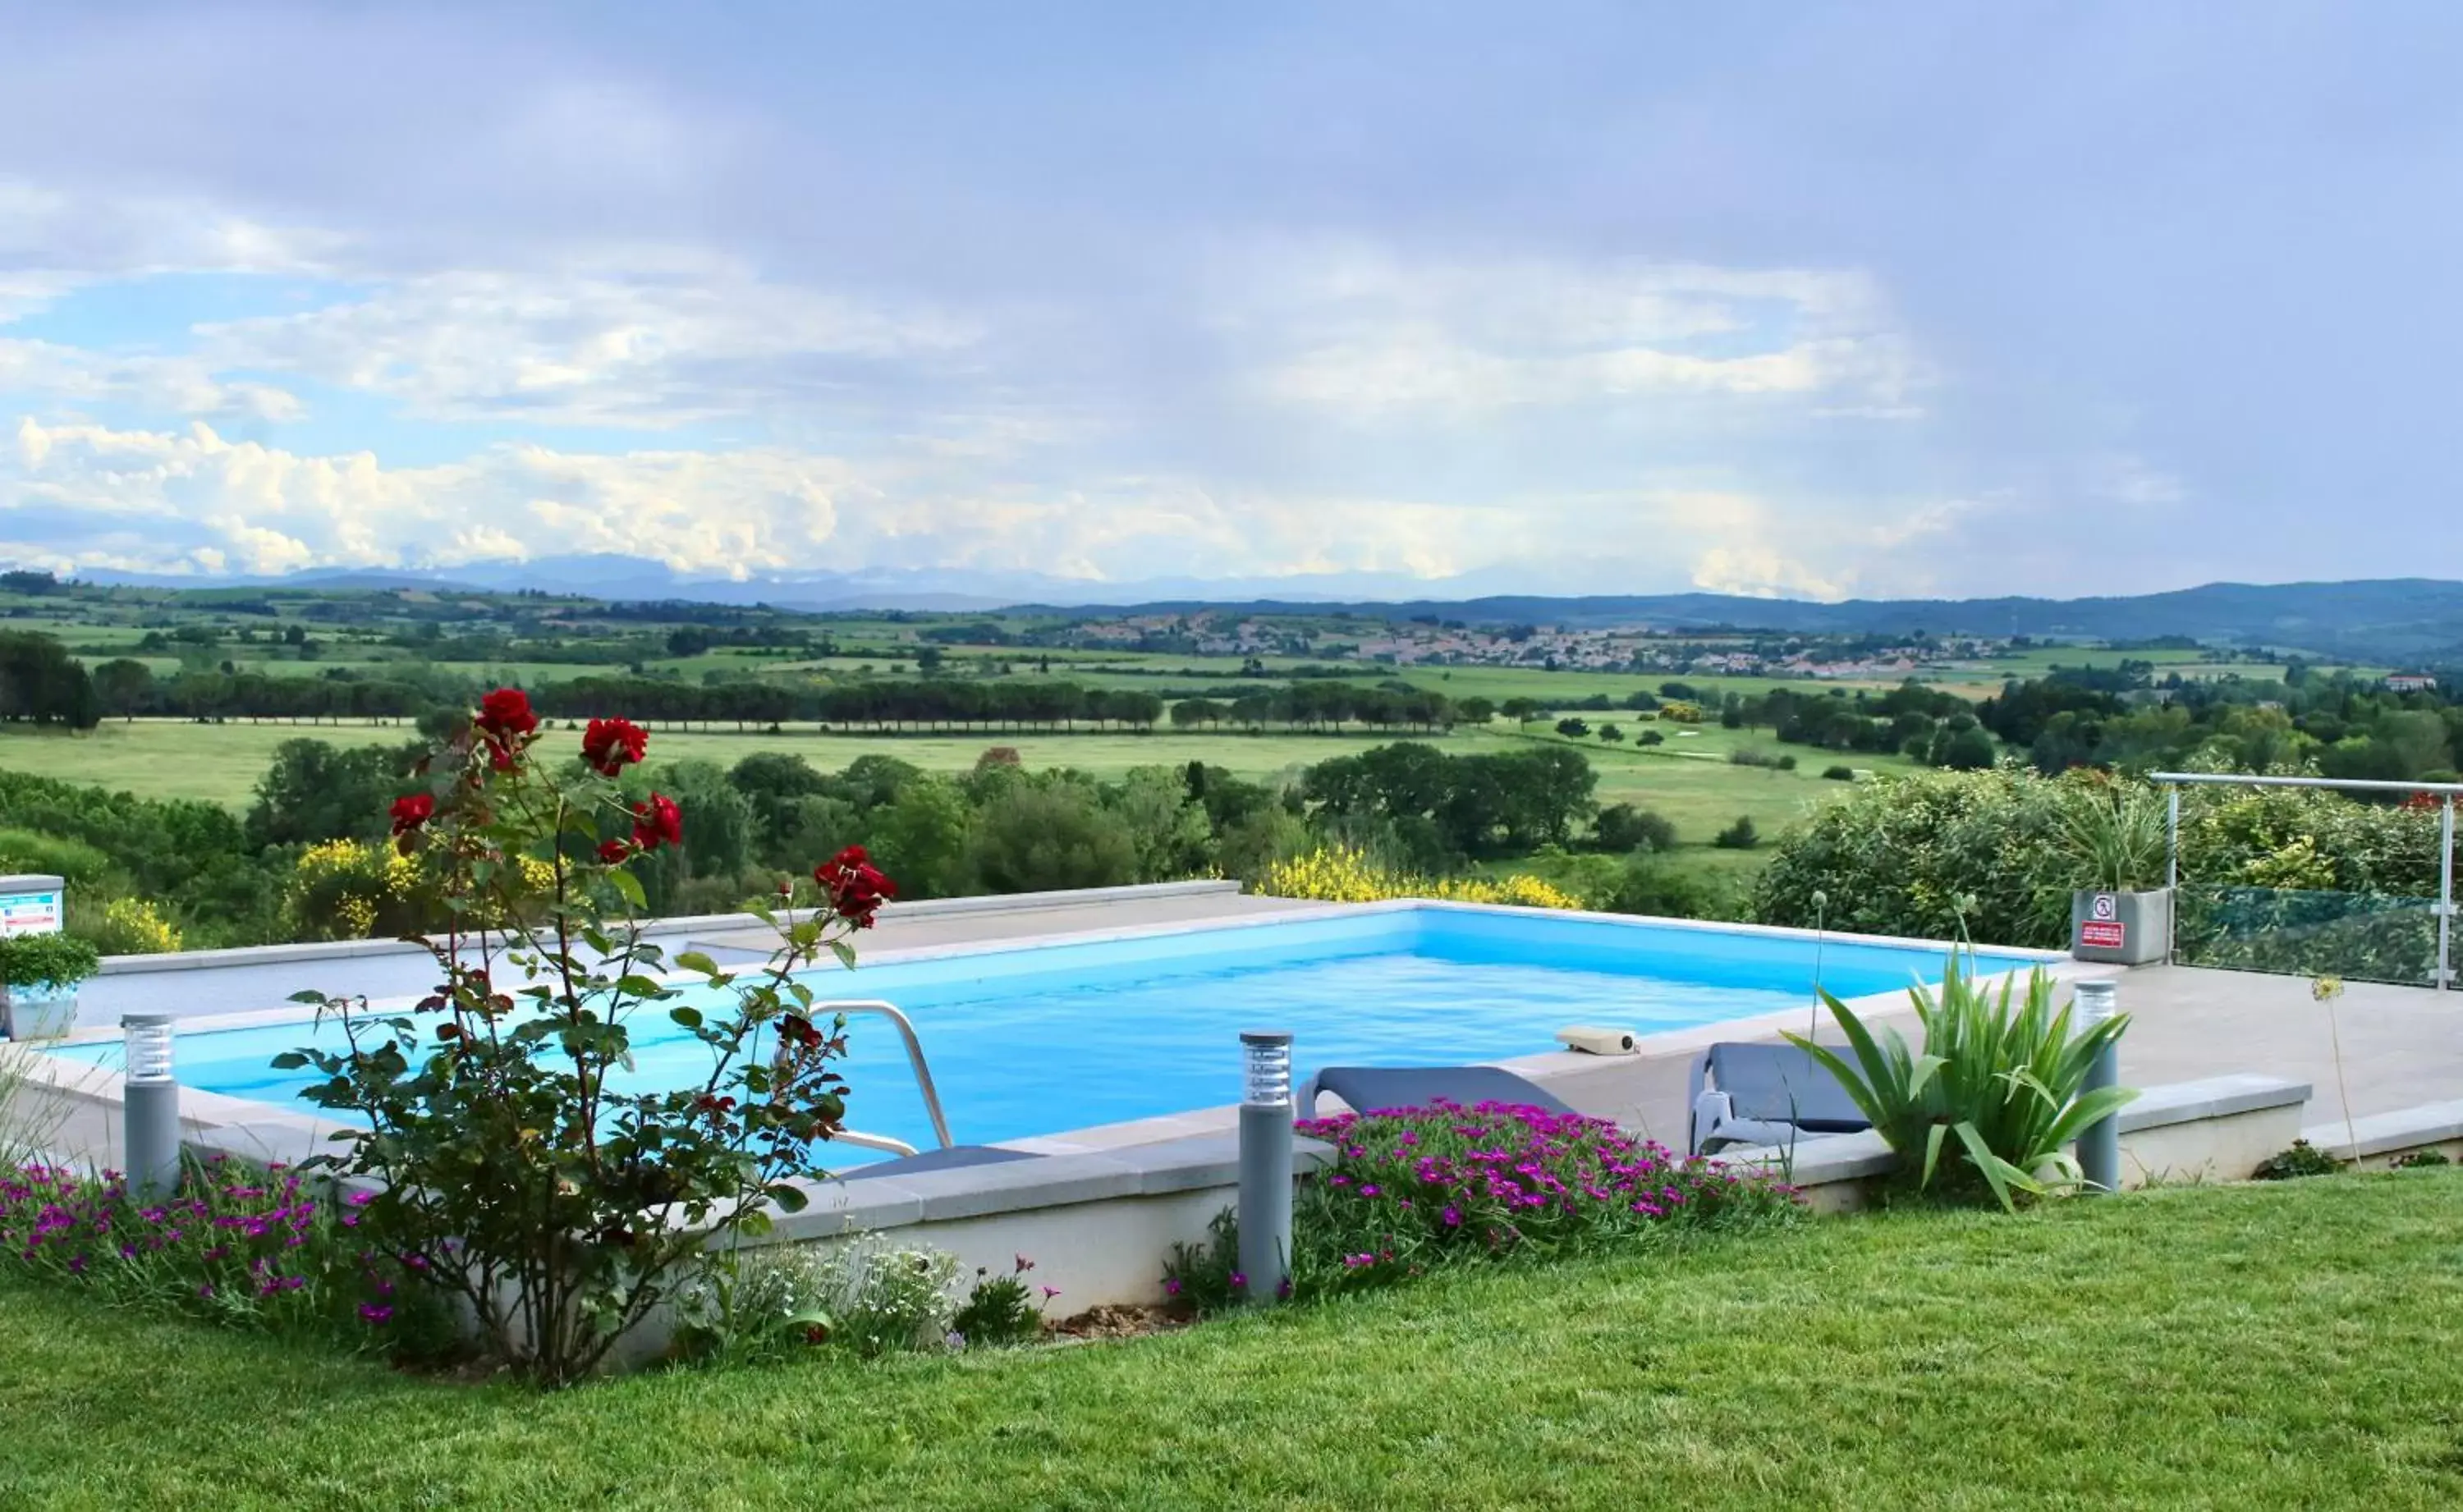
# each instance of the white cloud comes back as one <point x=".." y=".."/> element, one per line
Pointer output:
<point x="177" y="385"/>
<point x="654" y="339"/>
<point x="1361" y="330"/>
<point x="193" y="500"/>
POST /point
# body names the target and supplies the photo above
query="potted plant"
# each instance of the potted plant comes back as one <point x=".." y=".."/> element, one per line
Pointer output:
<point x="38" y="984"/>
<point x="2121" y="912"/>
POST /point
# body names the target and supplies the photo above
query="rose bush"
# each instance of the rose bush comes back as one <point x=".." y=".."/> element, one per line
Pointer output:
<point x="519" y="1173"/>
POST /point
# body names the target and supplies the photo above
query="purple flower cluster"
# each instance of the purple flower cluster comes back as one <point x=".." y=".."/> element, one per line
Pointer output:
<point x="1410" y="1185"/>
<point x="232" y="1239"/>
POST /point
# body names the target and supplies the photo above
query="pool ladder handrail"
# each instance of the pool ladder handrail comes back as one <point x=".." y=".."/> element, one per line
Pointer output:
<point x="849" y="1006"/>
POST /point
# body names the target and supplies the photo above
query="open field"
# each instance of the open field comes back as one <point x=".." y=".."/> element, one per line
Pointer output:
<point x="1690" y="779"/>
<point x="2299" y="1345"/>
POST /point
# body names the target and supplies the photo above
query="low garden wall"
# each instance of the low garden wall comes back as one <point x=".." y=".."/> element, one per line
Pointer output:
<point x="2377" y="1141"/>
<point x="2217" y="1129"/>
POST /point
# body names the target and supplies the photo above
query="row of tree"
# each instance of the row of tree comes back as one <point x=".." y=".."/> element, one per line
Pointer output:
<point x="125" y="688"/>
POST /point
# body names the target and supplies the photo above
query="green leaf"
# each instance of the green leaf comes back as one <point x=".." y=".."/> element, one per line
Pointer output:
<point x="289" y="1061"/>
<point x="689" y="1018"/>
<point x="790" y="1198"/>
<point x="696" y="960"/>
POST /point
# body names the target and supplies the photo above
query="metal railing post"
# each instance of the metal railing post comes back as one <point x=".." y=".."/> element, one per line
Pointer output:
<point x="2446" y="894"/>
<point x="2172" y="867"/>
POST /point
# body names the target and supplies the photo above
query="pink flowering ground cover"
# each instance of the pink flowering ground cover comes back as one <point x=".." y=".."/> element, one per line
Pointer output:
<point x="1414" y="1188"/>
<point x="236" y="1245"/>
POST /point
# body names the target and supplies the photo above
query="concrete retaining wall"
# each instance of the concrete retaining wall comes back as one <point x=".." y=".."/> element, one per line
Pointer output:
<point x="2375" y="1142"/>
<point x="2215" y="1130"/>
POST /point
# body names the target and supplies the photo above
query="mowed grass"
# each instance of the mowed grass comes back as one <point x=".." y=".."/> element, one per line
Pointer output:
<point x="2299" y="1345"/>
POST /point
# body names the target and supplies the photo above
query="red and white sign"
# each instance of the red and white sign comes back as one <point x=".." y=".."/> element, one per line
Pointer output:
<point x="2104" y="935"/>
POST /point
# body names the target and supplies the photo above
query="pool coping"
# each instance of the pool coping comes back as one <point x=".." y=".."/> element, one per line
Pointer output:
<point x="272" y="1121"/>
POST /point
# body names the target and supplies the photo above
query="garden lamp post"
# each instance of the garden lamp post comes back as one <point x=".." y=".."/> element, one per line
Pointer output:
<point x="1266" y="1162"/>
<point x="2099" y="1143"/>
<point x="150" y="1107"/>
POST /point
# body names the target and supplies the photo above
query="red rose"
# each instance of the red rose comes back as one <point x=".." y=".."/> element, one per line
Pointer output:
<point x="612" y="744"/>
<point x="613" y="852"/>
<point x="411" y="811"/>
<point x="855" y="888"/>
<point x="657" y="821"/>
<point x="505" y="720"/>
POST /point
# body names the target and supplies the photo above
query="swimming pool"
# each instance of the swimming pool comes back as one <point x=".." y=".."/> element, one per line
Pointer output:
<point x="1042" y="1038"/>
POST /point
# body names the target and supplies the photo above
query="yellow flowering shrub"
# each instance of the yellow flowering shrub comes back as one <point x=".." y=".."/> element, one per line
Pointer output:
<point x="1342" y="874"/>
<point x="346" y="890"/>
<point x="132" y="926"/>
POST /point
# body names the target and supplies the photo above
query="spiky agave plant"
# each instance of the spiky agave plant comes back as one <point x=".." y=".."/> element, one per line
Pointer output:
<point x="2007" y="1082"/>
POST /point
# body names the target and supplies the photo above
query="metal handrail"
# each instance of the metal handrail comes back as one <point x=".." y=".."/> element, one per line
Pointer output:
<point x="870" y="1141"/>
<point x="2361" y="784"/>
<point x="914" y="1058"/>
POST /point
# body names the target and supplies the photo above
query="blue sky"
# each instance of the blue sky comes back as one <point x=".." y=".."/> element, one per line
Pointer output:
<point x="1874" y="299"/>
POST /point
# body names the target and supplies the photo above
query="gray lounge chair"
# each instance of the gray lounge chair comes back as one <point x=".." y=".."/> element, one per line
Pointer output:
<point x="1371" y="1087"/>
<point x="1766" y="1094"/>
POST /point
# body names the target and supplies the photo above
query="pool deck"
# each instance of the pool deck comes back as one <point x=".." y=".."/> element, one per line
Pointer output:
<point x="2400" y="1048"/>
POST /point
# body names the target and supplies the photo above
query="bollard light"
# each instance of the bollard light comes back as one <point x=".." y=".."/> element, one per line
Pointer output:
<point x="148" y="1037"/>
<point x="1266" y="1163"/>
<point x="1268" y="1055"/>
<point x="150" y="1107"/>
<point x="2099" y="1143"/>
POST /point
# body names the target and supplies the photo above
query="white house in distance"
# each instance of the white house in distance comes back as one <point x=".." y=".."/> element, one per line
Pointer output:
<point x="2409" y="683"/>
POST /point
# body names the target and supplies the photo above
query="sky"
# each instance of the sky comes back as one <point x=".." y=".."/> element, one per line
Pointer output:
<point x="1817" y="301"/>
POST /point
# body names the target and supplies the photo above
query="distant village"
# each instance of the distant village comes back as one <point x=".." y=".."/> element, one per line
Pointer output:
<point x="1451" y="643"/>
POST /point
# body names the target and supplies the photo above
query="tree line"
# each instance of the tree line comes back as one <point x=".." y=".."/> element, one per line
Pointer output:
<point x="125" y="688"/>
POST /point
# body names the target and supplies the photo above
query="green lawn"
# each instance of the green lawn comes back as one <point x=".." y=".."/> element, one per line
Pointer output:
<point x="2292" y="1345"/>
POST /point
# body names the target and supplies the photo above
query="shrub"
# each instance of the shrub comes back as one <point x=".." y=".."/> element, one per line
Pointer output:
<point x="1001" y="1310"/>
<point x="2303" y="1158"/>
<point x="1929" y="854"/>
<point x="130" y="926"/>
<point x="351" y="889"/>
<point x="2419" y="1160"/>
<point x="1650" y="738"/>
<point x="1039" y="836"/>
<point x="1413" y="1189"/>
<point x="519" y="1179"/>
<point x="1932" y="855"/>
<point x="1342" y="873"/>
<point x="2010" y="1085"/>
<point x="1839" y="774"/>
<point x="1740" y="835"/>
<point x="45" y="960"/>
<point x="1646" y="887"/>
<point x="1622" y="826"/>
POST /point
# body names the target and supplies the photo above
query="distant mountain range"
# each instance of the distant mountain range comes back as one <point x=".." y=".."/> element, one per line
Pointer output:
<point x="2386" y="620"/>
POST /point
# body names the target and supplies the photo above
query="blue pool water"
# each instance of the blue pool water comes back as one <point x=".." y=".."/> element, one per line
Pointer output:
<point x="1042" y="1039"/>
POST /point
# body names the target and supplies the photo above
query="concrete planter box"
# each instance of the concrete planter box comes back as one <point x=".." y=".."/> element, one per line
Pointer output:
<point x="2125" y="929"/>
<point x="38" y="1013"/>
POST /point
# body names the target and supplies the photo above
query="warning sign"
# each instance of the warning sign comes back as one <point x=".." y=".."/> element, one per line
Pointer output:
<point x="2102" y="935"/>
<point x="29" y="914"/>
<point x="2105" y="906"/>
